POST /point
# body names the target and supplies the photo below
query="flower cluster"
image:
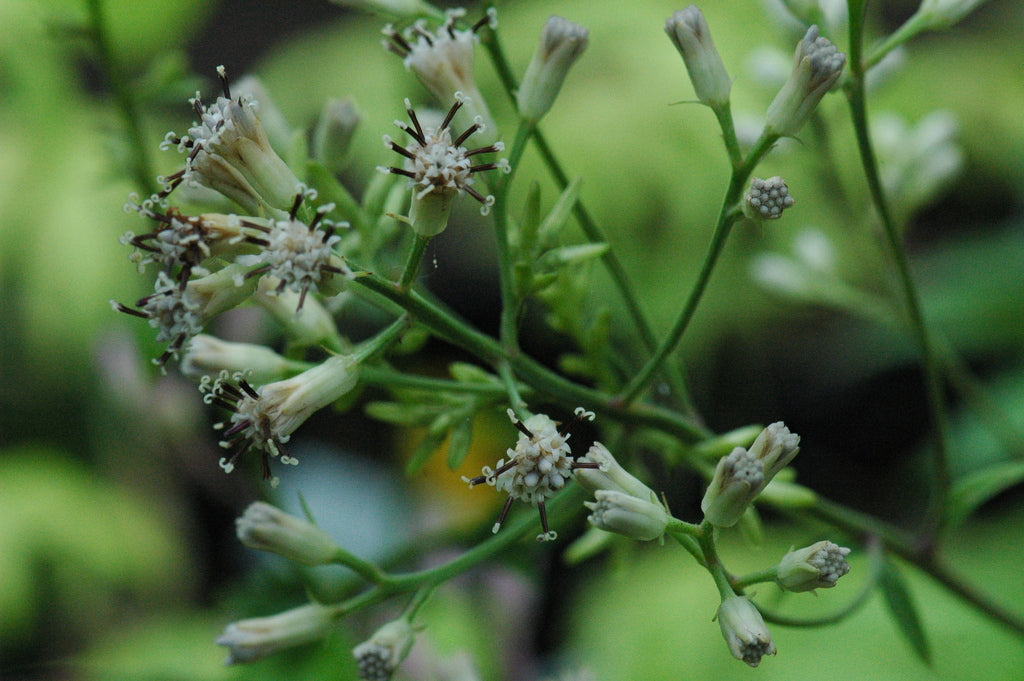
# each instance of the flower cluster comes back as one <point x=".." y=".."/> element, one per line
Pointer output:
<point x="766" y="199"/>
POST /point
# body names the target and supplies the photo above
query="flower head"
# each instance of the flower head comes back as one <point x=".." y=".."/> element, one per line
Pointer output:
<point x="819" y="565"/>
<point x="298" y="255"/>
<point x="816" y="68"/>
<point x="561" y="44"/>
<point x="744" y="630"/>
<point x="439" y="168"/>
<point x="179" y="308"/>
<point x="229" y="152"/>
<point x="766" y="199"/>
<point x="264" y="419"/>
<point x="538" y="467"/>
<point x="256" y="638"/>
<point x="379" y="657"/>
<point x="689" y="32"/>
<point x="443" y="59"/>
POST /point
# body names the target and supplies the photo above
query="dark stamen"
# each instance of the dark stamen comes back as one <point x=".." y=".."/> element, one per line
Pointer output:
<point x="543" y="516"/>
<point x="419" y="136"/>
<point x="451" y="114"/>
<point x="504" y="512"/>
<point x="464" y="136"/>
<point x="295" y="206"/>
<point x="522" y="428"/>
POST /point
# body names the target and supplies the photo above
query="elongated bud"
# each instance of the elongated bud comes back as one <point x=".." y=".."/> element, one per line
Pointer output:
<point x="208" y="355"/>
<point x="816" y="68"/>
<point x="332" y="136"/>
<point x="627" y="515"/>
<point x="609" y="474"/>
<point x="254" y="639"/>
<point x="561" y="44"/>
<point x="744" y="630"/>
<point x="268" y="528"/>
<point x="818" y="566"/>
<point x="689" y="32"/>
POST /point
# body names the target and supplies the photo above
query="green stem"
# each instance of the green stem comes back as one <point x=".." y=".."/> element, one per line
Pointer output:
<point x="759" y="577"/>
<point x="712" y="562"/>
<point x="914" y="315"/>
<point x="389" y="378"/>
<point x="139" y="160"/>
<point x="412" y="263"/>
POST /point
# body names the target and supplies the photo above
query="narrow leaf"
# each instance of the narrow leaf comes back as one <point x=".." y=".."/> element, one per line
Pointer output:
<point x="901" y="605"/>
<point x="976" y="488"/>
<point x="458" y="443"/>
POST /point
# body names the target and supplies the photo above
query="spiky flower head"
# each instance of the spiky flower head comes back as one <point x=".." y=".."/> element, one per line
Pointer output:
<point x="264" y="419"/>
<point x="300" y="256"/>
<point x="537" y="468"/>
<point x="228" y="151"/>
<point x="439" y="168"/>
<point x="443" y="59"/>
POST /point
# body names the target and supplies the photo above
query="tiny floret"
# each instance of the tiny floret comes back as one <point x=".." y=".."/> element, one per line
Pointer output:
<point x="173" y="310"/>
<point x="819" y="565"/>
<point x="538" y="467"/>
<point x="766" y="199"/>
<point x="439" y="167"/>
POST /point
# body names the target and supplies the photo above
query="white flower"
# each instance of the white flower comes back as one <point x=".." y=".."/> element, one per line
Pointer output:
<point x="443" y="59"/>
<point x="228" y="151"/>
<point x="439" y="168"/>
<point x="298" y="255"/>
<point x="264" y="419"/>
<point x="538" y="467"/>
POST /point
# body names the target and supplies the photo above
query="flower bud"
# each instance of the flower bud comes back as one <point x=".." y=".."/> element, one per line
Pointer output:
<point x="744" y="630"/>
<point x="627" y="515"/>
<point x="332" y="136"/>
<point x="689" y="32"/>
<point x="208" y="355"/>
<point x="738" y="478"/>
<point x="766" y="199"/>
<point x="775" y="447"/>
<point x="308" y="326"/>
<point x="820" y="565"/>
<point x="817" y="66"/>
<point x="254" y="639"/>
<point x="267" y="528"/>
<point x="379" y="657"/>
<point x="609" y="475"/>
<point x="561" y="44"/>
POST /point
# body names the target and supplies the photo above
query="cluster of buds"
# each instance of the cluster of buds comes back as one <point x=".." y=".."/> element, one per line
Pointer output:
<point x="622" y="503"/>
<point x="766" y="199"/>
<point x="744" y="473"/>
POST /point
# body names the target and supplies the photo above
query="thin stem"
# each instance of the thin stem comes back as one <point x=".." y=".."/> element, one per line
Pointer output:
<point x="390" y="378"/>
<point x="365" y="569"/>
<point x="412" y="263"/>
<point x="712" y="562"/>
<point x="727" y="217"/>
<point x="139" y="160"/>
<point x="759" y="577"/>
<point x="914" y="315"/>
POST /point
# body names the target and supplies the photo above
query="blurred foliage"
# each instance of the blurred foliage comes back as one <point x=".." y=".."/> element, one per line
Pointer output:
<point x="99" y="576"/>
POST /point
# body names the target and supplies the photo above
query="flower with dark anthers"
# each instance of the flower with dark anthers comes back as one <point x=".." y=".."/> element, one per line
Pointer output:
<point x="443" y="59"/>
<point x="229" y="152"/>
<point x="538" y="467"/>
<point x="300" y="256"/>
<point x="173" y="310"/>
<point x="180" y="241"/>
<point x="440" y="167"/>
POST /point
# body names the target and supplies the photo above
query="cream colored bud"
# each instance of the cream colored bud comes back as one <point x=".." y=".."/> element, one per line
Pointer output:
<point x="267" y="528"/>
<point x="615" y="511"/>
<point x="379" y="657"/>
<point x="254" y="639"/>
<point x="744" y="630"/>
<point x="689" y="32"/>
<point x="209" y="355"/>
<point x="609" y="475"/>
<point x="817" y="66"/>
<point x="561" y="44"/>
<point x="818" y="566"/>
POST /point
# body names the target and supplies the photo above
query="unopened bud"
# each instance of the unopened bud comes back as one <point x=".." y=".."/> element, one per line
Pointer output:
<point x="267" y="528"/>
<point x="254" y="639"/>
<point x="816" y="68"/>
<point x="689" y="32"/>
<point x="819" y="566"/>
<point x="627" y="515"/>
<point x="561" y="44"/>
<point x="744" y="630"/>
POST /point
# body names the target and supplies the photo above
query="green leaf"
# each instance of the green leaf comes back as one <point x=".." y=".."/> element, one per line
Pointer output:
<point x="430" y="444"/>
<point x="458" y="444"/>
<point x="530" y="223"/>
<point x="559" y="215"/>
<point x="332" y="191"/>
<point x="901" y="605"/>
<point x="973" y="490"/>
